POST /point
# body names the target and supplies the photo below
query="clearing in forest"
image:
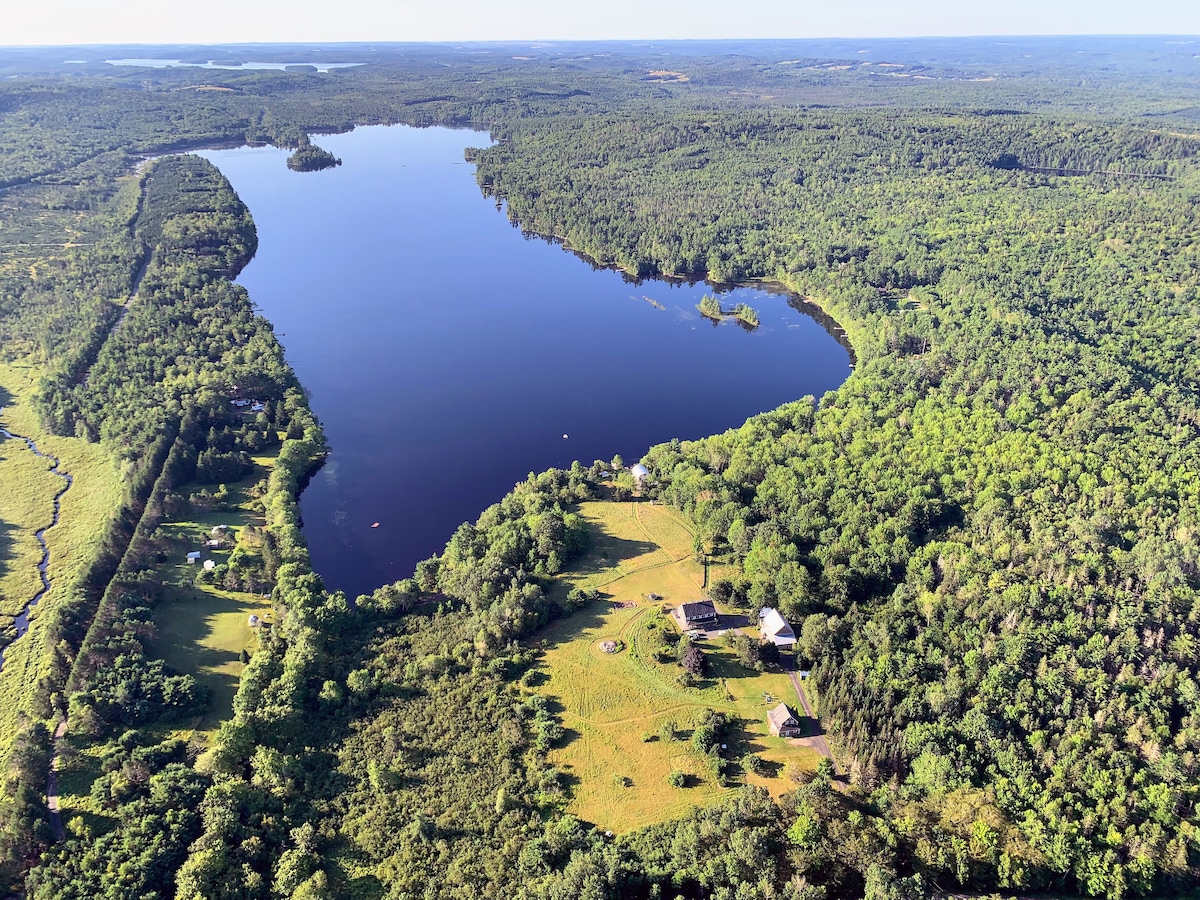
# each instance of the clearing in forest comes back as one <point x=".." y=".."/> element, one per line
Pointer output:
<point x="204" y="628"/>
<point x="620" y="709"/>
<point x="202" y="631"/>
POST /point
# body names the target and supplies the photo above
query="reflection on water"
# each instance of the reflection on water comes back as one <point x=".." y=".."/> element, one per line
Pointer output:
<point x="447" y="354"/>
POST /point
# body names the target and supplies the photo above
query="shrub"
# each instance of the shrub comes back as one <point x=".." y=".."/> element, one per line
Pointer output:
<point x="694" y="661"/>
<point x="754" y="764"/>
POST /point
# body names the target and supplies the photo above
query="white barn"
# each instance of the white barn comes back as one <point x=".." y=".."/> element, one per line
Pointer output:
<point x="774" y="628"/>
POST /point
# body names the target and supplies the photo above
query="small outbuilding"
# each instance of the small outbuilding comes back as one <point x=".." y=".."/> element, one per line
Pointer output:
<point x="774" y="628"/>
<point x="701" y="614"/>
<point x="783" y="722"/>
<point x="194" y="556"/>
<point x="209" y="565"/>
<point x="639" y="472"/>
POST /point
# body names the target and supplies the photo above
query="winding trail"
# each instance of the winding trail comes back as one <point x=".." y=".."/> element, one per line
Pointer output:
<point x="52" y="785"/>
<point x="133" y="295"/>
<point x="22" y="620"/>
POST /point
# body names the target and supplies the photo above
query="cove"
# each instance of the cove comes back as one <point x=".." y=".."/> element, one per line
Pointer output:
<point x="448" y="355"/>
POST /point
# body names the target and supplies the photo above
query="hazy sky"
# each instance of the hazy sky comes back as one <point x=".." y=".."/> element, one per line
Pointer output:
<point x="222" y="21"/>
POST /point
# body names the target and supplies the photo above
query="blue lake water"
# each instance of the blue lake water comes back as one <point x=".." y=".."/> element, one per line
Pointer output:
<point x="447" y="354"/>
<point x="213" y="64"/>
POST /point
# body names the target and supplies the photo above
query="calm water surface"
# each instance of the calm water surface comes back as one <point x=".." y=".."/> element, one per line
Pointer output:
<point x="448" y="355"/>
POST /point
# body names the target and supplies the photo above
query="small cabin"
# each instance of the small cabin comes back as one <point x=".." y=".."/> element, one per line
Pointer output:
<point x="774" y="628"/>
<point x="193" y="557"/>
<point x="783" y="722"/>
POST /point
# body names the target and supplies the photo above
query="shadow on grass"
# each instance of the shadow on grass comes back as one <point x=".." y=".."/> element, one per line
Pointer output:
<point x="568" y="628"/>
<point x="568" y="781"/>
<point x="569" y="736"/>
<point x="608" y="551"/>
<point x="185" y="623"/>
<point x="534" y="678"/>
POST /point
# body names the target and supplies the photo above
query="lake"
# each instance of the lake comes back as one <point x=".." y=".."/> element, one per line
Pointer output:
<point x="216" y="64"/>
<point x="448" y="355"/>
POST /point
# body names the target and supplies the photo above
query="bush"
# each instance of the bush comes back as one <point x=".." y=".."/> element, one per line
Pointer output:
<point x="754" y="764"/>
<point x="694" y="661"/>
<point x="677" y="779"/>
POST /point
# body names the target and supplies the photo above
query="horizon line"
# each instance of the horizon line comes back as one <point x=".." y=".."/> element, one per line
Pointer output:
<point x="614" y="40"/>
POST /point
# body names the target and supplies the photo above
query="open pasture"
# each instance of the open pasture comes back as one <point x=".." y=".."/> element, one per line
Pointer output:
<point x="204" y="628"/>
<point x="620" y="709"/>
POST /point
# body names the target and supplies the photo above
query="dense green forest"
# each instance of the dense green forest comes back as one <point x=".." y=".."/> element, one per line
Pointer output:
<point x="987" y="537"/>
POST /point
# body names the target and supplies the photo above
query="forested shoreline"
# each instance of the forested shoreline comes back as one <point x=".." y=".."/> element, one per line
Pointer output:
<point x="987" y="537"/>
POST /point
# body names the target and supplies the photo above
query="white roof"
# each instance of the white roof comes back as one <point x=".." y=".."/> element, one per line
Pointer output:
<point x="639" y="471"/>
<point x="775" y="628"/>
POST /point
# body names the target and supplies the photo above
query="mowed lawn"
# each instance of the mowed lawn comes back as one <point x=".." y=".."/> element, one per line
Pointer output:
<point x="614" y="706"/>
<point x="202" y="628"/>
<point x="203" y="632"/>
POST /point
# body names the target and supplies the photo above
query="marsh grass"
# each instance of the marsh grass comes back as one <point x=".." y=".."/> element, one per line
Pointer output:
<point x="26" y="504"/>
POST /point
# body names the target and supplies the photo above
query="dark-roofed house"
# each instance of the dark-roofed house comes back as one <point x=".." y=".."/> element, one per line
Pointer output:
<point x="701" y="614"/>
<point x="783" y="722"/>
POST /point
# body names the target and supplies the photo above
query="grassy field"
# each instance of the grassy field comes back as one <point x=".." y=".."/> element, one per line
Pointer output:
<point x="26" y="491"/>
<point x="203" y="629"/>
<point x="614" y="706"/>
<point x="26" y="504"/>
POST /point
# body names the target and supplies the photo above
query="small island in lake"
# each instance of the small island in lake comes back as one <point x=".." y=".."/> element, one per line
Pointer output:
<point x="710" y="308"/>
<point x="311" y="158"/>
<point x="746" y="314"/>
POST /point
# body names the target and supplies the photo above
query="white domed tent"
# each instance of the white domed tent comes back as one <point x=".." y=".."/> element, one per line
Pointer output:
<point x="639" y="471"/>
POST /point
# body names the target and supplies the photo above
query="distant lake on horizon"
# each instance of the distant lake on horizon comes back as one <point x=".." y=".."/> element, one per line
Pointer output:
<point x="448" y="355"/>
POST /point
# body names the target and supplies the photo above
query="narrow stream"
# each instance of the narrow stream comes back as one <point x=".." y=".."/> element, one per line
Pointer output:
<point x="22" y="620"/>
